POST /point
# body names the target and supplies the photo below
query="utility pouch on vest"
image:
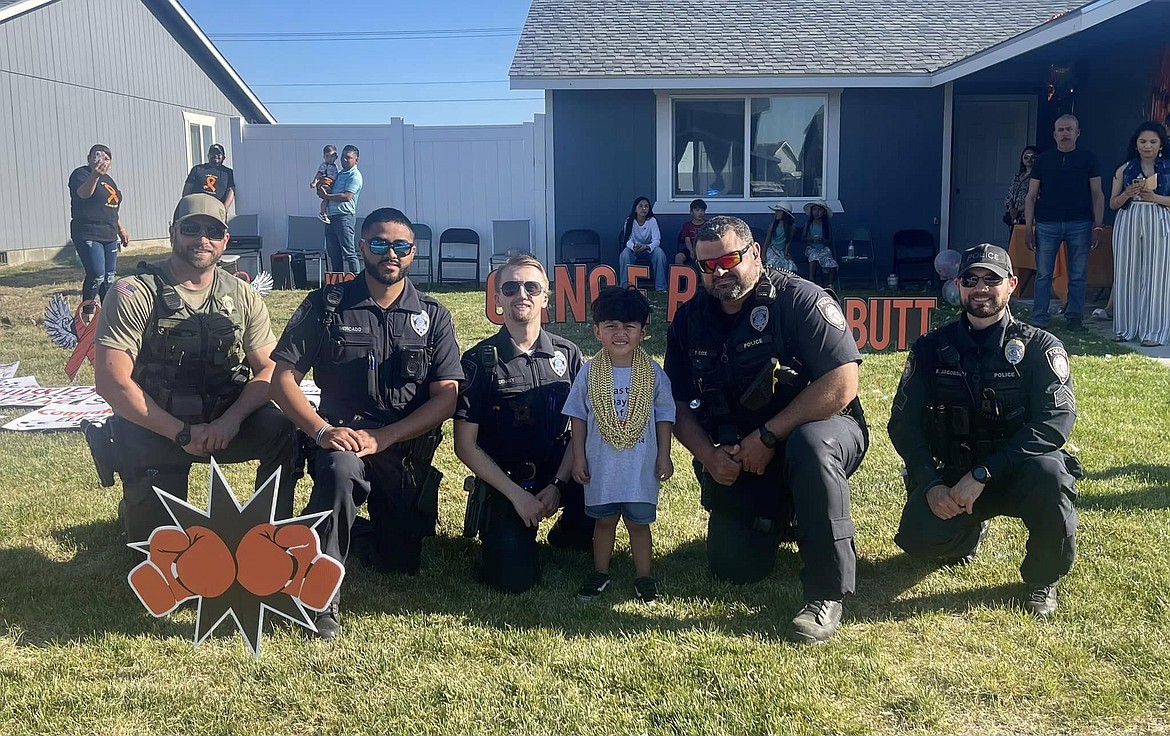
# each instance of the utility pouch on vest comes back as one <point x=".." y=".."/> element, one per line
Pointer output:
<point x="476" y="513"/>
<point x="100" y="438"/>
<point x="761" y="388"/>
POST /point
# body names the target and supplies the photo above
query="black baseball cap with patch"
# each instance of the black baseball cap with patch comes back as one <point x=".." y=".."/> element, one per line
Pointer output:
<point x="991" y="257"/>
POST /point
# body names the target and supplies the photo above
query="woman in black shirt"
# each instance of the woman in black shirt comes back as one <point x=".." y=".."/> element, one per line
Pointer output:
<point x="94" y="200"/>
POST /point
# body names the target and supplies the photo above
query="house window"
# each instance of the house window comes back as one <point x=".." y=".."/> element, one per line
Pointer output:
<point x="200" y="136"/>
<point x="764" y="147"/>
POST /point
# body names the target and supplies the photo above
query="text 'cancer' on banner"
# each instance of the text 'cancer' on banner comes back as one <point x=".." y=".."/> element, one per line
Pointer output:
<point x="877" y="323"/>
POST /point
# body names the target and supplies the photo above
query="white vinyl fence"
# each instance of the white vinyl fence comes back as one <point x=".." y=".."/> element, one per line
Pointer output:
<point x="444" y="177"/>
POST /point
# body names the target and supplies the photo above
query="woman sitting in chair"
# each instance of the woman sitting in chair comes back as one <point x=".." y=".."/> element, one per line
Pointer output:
<point x="819" y="236"/>
<point x="641" y="236"/>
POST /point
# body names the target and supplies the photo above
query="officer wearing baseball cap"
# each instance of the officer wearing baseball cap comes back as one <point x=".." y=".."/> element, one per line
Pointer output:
<point x="213" y="178"/>
<point x="981" y="417"/>
<point x="183" y="359"/>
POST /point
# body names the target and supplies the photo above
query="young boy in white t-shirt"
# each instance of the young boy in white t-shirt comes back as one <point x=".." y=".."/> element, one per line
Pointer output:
<point x="622" y="414"/>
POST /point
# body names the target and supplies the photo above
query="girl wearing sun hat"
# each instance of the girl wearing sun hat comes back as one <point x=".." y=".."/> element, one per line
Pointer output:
<point x="779" y="237"/>
<point x="819" y="236"/>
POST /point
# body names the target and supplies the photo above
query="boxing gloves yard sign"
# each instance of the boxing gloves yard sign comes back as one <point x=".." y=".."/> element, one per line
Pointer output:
<point x="235" y="561"/>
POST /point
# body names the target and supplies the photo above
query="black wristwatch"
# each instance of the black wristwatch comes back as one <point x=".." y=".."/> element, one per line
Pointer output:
<point x="559" y="484"/>
<point x="981" y="474"/>
<point x="767" y="437"/>
<point x="183" y="438"/>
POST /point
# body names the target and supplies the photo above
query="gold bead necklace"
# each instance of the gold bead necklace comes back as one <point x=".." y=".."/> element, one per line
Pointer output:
<point x="621" y="433"/>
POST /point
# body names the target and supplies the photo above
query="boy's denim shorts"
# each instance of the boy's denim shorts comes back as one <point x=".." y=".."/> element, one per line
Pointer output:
<point x="635" y="513"/>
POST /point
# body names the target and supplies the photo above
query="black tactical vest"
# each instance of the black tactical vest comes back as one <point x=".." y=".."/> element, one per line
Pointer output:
<point x="977" y="398"/>
<point x="192" y="361"/>
<point x="746" y="376"/>
<point x="372" y="365"/>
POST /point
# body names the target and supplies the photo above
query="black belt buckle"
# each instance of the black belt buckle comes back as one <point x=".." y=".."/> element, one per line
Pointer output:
<point x="523" y="473"/>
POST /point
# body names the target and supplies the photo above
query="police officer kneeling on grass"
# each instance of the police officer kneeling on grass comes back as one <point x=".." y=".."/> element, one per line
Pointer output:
<point x="385" y="358"/>
<point x="764" y="374"/>
<point x="510" y="432"/>
<point x="183" y="360"/>
<point x="983" y="409"/>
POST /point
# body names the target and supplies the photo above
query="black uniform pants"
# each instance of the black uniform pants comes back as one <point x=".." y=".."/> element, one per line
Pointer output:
<point x="146" y="460"/>
<point x="1039" y="492"/>
<point x="343" y="482"/>
<point x="508" y="551"/>
<point x="817" y="460"/>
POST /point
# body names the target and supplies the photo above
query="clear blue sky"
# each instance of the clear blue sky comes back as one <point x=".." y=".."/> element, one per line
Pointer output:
<point x="458" y="50"/>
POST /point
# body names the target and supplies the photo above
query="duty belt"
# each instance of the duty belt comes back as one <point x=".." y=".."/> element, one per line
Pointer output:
<point x="521" y="473"/>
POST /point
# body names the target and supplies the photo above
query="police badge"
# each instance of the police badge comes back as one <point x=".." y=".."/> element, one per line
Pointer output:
<point x="559" y="363"/>
<point x="759" y="318"/>
<point x="421" y="322"/>
<point x="1013" y="352"/>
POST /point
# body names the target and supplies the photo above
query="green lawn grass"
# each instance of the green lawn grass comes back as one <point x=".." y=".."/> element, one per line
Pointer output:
<point x="922" y="649"/>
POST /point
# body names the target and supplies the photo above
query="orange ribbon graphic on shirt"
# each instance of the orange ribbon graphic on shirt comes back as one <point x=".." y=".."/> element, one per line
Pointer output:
<point x="209" y="183"/>
<point x="112" y="199"/>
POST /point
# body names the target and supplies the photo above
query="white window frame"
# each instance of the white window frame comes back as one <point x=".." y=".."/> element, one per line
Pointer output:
<point x="194" y="118"/>
<point x="669" y="204"/>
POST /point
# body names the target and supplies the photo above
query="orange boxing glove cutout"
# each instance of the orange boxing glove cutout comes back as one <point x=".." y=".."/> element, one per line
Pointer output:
<point x="153" y="579"/>
<point x="207" y="568"/>
<point x="317" y="576"/>
<point x="265" y="565"/>
<point x="181" y="565"/>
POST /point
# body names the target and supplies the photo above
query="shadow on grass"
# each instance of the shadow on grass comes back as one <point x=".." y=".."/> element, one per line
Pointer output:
<point x="55" y="602"/>
<point x="1151" y="491"/>
<point x="761" y="609"/>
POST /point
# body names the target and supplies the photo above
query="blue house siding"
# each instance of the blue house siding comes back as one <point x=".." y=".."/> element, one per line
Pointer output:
<point x="603" y="157"/>
<point x="891" y="156"/>
<point x="891" y="151"/>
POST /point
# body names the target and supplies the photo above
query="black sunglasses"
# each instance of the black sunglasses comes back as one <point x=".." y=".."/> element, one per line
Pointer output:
<point x="379" y="247"/>
<point x="970" y="280"/>
<point x="727" y="261"/>
<point x="512" y="288"/>
<point x="194" y="230"/>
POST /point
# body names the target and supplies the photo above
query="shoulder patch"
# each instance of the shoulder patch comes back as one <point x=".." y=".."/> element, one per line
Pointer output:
<point x="831" y="311"/>
<point x="470" y="369"/>
<point x="299" y="315"/>
<point x="1058" y="362"/>
<point x="907" y="372"/>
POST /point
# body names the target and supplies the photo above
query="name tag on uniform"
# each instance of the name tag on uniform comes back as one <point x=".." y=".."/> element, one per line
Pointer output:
<point x="350" y="328"/>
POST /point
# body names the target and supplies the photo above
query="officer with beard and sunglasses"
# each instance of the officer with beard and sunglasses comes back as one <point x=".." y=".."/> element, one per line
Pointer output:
<point x="764" y="372"/>
<point x="980" y="418"/>
<point x="510" y="432"/>
<point x="385" y="358"/>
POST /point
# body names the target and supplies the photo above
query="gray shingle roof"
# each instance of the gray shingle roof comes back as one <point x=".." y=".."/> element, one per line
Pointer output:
<point x="673" y="38"/>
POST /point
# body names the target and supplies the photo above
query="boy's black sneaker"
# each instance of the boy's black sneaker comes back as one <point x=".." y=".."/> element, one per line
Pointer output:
<point x="816" y="623"/>
<point x="594" y="585"/>
<point x="1041" y="602"/>
<point x="646" y="589"/>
